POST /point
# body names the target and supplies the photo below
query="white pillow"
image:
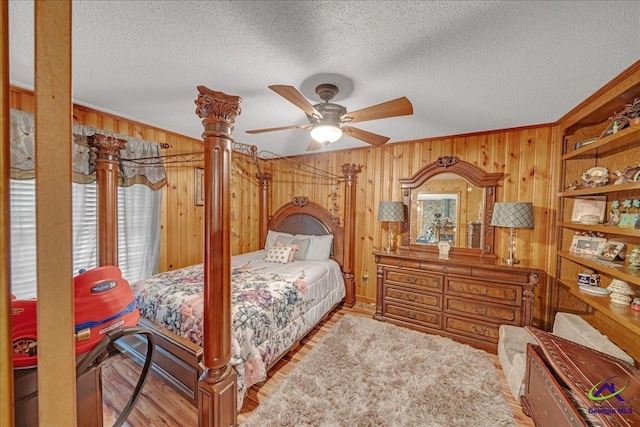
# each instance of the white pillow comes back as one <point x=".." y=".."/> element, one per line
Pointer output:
<point x="320" y="248"/>
<point x="279" y="254"/>
<point x="273" y="236"/>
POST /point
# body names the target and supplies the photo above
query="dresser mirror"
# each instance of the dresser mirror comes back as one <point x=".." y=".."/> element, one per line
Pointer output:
<point x="450" y="200"/>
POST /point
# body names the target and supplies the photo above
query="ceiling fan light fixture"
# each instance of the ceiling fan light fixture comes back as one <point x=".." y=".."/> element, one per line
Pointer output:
<point x="326" y="133"/>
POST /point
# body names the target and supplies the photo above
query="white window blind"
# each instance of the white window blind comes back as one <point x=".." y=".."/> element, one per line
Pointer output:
<point x="138" y="232"/>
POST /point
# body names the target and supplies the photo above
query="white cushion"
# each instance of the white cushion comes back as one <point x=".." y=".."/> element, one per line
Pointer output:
<point x="320" y="248"/>
<point x="280" y="254"/>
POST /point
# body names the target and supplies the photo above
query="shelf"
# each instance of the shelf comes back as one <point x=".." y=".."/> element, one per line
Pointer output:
<point x="600" y="190"/>
<point x="621" y="272"/>
<point x="622" y="140"/>
<point x="631" y="232"/>
<point x="622" y="314"/>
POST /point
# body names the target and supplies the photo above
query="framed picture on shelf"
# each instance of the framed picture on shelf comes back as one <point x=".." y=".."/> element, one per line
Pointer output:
<point x="589" y="210"/>
<point x="611" y="250"/>
<point x="583" y="245"/>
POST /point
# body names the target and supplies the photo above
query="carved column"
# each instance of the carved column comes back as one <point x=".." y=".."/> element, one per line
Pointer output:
<point x="265" y="179"/>
<point x="107" y="163"/>
<point x="350" y="172"/>
<point x="217" y="389"/>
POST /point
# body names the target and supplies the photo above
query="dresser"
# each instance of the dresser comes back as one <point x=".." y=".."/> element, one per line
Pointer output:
<point x="462" y="297"/>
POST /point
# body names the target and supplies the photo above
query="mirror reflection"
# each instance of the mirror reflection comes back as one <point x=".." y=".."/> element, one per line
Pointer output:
<point x="448" y="208"/>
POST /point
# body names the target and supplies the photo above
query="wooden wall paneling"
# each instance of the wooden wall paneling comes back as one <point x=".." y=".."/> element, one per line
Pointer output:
<point x="368" y="228"/>
<point x="541" y="238"/>
<point x="363" y="227"/>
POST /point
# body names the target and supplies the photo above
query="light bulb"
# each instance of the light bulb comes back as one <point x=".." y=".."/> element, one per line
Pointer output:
<point x="326" y="133"/>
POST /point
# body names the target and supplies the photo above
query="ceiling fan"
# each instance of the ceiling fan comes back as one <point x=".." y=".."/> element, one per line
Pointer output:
<point x="328" y="121"/>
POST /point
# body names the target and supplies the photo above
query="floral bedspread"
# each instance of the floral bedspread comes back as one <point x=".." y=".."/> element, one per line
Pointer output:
<point x="272" y="306"/>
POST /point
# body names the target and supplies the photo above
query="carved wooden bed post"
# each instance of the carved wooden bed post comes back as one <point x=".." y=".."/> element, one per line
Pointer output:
<point x="217" y="388"/>
<point x="107" y="176"/>
<point x="350" y="172"/>
<point x="265" y="179"/>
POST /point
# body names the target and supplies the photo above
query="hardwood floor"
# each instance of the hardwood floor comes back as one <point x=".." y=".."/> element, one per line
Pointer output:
<point x="160" y="406"/>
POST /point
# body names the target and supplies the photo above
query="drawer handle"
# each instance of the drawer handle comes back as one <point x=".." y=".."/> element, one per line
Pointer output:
<point x="445" y="270"/>
<point x="481" y="291"/>
<point x="479" y="310"/>
<point x="399" y="264"/>
<point x="479" y="331"/>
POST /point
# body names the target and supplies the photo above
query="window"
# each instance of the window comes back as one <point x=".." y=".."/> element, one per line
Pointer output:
<point x="138" y="232"/>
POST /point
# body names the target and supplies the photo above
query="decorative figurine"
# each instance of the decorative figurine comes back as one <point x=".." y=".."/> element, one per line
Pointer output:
<point x="614" y="214"/>
<point x="572" y="186"/>
<point x="634" y="259"/>
<point x="595" y="177"/>
<point x="627" y="175"/>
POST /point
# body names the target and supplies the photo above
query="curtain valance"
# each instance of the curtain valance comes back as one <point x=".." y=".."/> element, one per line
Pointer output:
<point x="140" y="161"/>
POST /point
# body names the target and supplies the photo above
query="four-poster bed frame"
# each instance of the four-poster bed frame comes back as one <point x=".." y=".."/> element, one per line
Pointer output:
<point x="203" y="374"/>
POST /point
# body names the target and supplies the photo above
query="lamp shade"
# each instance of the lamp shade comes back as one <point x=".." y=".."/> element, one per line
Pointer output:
<point x="391" y="211"/>
<point x="516" y="215"/>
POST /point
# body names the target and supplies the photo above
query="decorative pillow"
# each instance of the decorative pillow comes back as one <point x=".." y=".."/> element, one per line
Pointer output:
<point x="303" y="244"/>
<point x="279" y="244"/>
<point x="279" y="254"/>
<point x="320" y="248"/>
<point x="273" y="236"/>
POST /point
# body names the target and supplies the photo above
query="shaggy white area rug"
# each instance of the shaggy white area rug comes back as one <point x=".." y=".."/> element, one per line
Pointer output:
<point x="370" y="373"/>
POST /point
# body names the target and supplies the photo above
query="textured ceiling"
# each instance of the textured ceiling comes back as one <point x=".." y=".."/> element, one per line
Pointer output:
<point x="465" y="66"/>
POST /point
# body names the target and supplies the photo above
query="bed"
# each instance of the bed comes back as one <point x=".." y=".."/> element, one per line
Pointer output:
<point x="206" y="375"/>
<point x="274" y="302"/>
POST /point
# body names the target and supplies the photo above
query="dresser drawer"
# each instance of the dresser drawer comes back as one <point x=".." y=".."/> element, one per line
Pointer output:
<point x="471" y="328"/>
<point x="506" y="314"/>
<point x="414" y="279"/>
<point x="476" y="289"/>
<point x="424" y="318"/>
<point x="393" y="261"/>
<point x="402" y="294"/>
<point x="462" y="270"/>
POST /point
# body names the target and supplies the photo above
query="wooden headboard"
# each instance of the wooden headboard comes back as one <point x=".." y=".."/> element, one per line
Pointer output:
<point x="302" y="216"/>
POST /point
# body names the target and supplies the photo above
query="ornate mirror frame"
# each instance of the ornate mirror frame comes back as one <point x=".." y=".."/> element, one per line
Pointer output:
<point x="474" y="175"/>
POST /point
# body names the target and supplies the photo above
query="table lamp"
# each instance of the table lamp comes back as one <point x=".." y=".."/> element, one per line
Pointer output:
<point x="391" y="212"/>
<point x="512" y="215"/>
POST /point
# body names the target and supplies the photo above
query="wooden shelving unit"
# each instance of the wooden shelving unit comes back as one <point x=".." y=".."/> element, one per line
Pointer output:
<point x="614" y="152"/>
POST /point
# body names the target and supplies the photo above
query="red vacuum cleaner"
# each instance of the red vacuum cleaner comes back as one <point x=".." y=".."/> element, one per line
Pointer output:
<point x="103" y="303"/>
<point x="105" y="310"/>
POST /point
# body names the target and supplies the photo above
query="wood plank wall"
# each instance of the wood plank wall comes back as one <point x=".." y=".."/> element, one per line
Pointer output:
<point x="527" y="157"/>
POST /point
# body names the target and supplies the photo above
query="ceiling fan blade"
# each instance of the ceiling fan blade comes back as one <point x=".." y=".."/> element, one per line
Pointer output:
<point x="397" y="107"/>
<point x="292" y="95"/>
<point x="279" y="128"/>
<point x="314" y="145"/>
<point x="368" y="137"/>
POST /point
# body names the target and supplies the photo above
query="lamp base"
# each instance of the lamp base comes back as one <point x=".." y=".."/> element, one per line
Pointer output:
<point x="510" y="261"/>
<point x="390" y="244"/>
